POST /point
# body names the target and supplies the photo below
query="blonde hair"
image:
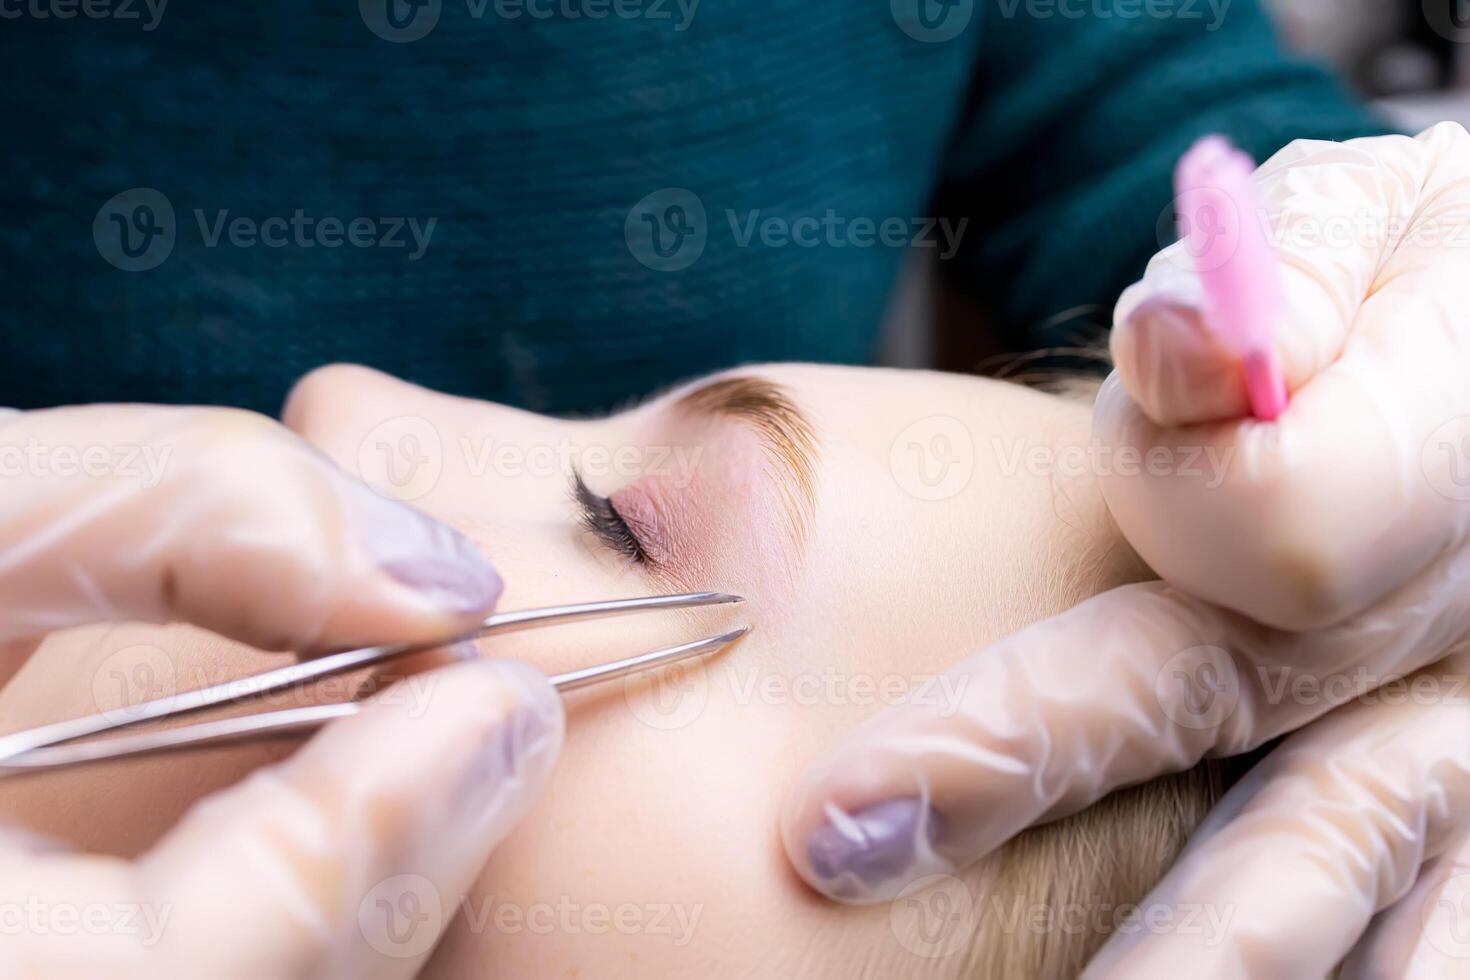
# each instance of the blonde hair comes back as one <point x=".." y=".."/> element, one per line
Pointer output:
<point x="1086" y="873"/>
<point x="1052" y="896"/>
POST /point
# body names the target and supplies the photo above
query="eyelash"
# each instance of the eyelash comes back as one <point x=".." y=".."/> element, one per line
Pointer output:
<point x="602" y="519"/>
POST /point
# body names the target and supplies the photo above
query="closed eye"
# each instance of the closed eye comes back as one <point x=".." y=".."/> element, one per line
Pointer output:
<point x="661" y="523"/>
<point x="602" y="520"/>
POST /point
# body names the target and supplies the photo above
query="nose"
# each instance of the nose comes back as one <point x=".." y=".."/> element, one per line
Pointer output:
<point x="434" y="451"/>
<point x="499" y="475"/>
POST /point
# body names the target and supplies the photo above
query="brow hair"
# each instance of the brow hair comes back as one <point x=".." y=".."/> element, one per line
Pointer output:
<point x="785" y="433"/>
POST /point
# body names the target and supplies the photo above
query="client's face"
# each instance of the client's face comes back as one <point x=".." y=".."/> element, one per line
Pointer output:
<point x="881" y="525"/>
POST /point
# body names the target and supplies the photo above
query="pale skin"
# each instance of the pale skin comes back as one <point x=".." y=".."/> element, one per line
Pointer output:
<point x="1276" y="567"/>
<point x="655" y="850"/>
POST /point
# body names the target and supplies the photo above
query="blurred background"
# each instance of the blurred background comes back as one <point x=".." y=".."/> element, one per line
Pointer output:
<point x="1411" y="58"/>
<point x="1404" y="54"/>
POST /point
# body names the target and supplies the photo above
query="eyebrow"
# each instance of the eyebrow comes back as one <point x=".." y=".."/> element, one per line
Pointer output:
<point x="785" y="433"/>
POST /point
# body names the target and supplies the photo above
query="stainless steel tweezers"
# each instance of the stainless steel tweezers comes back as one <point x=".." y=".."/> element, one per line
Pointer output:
<point x="44" y="747"/>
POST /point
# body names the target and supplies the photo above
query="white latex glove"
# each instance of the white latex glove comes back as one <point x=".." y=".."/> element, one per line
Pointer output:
<point x="220" y="518"/>
<point x="1329" y="561"/>
<point x="1341" y="821"/>
<point x="346" y="861"/>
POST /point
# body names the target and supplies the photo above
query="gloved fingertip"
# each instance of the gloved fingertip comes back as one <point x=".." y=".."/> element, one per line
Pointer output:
<point x="1174" y="367"/>
<point x="456" y="586"/>
<point x="471" y="743"/>
<point x="528" y="692"/>
<point x="533" y="726"/>
<point x="415" y="791"/>
<point x="1163" y="334"/>
<point x="437" y="563"/>
<point x="518" y="746"/>
<point x="871" y="854"/>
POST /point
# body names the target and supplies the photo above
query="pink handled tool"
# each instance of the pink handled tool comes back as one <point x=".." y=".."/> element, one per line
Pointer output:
<point x="1221" y="217"/>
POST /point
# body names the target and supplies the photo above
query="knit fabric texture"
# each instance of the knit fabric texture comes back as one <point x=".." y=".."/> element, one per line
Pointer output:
<point x="568" y="204"/>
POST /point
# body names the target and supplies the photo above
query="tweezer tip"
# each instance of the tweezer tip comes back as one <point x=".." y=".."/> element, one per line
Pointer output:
<point x="719" y="597"/>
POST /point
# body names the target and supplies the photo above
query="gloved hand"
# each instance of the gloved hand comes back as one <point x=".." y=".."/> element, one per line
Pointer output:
<point x="346" y="861"/>
<point x="1332" y="827"/>
<point x="1330" y="561"/>
<point x="220" y="518"/>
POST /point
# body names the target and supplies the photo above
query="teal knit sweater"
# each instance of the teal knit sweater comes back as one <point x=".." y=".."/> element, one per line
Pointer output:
<point x="565" y="204"/>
